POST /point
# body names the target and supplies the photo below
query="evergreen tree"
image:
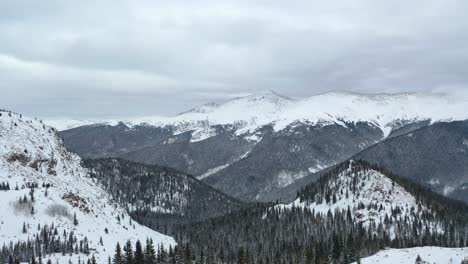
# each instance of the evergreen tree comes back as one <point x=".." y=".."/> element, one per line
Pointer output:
<point x="150" y="253"/>
<point x="75" y="220"/>
<point x="118" y="258"/>
<point x="128" y="253"/>
<point x="139" y="258"/>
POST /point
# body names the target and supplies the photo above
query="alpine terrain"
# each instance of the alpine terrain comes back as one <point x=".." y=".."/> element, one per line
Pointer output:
<point x="253" y="147"/>
<point x="50" y="208"/>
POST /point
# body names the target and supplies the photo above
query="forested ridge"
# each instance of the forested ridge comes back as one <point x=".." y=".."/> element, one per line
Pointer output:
<point x="272" y="234"/>
<point x="159" y="196"/>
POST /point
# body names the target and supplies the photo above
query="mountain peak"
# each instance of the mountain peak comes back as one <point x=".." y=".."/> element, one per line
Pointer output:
<point x="205" y="108"/>
<point x="267" y="95"/>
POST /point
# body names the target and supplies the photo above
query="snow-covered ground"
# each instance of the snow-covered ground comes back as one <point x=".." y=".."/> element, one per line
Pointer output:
<point x="251" y="112"/>
<point x="30" y="152"/>
<point x="377" y="194"/>
<point x="432" y="255"/>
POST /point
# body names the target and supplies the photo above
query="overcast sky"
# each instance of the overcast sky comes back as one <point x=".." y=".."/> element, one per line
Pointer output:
<point x="111" y="58"/>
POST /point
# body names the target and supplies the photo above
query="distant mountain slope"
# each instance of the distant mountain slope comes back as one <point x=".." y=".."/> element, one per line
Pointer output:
<point x="249" y="113"/>
<point x="46" y="192"/>
<point x="159" y="192"/>
<point x="285" y="157"/>
<point x="435" y="155"/>
<point x="264" y="141"/>
<point x="157" y="145"/>
<point x="248" y="169"/>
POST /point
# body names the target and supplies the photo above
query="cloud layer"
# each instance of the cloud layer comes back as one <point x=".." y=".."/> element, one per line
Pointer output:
<point x="121" y="58"/>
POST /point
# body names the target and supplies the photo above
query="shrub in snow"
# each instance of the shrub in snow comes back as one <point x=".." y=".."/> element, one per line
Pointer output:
<point x="58" y="210"/>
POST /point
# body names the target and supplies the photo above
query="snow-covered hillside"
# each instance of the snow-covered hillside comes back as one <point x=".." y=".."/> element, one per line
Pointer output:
<point x="248" y="113"/>
<point x="372" y="199"/>
<point x="432" y="255"/>
<point x="48" y="187"/>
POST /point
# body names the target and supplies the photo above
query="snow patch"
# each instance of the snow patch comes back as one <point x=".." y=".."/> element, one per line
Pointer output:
<point x="222" y="167"/>
<point x="448" y="190"/>
<point x="284" y="178"/>
<point x="434" y="182"/>
<point x="202" y="134"/>
<point x="436" y="255"/>
<point x="212" y="171"/>
<point x="318" y="167"/>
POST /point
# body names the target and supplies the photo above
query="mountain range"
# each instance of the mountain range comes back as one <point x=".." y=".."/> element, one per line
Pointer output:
<point x="264" y="146"/>
<point x="375" y="189"/>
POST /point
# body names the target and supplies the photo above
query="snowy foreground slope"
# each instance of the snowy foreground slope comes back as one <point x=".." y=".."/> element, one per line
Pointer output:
<point x="31" y="155"/>
<point x="249" y="113"/>
<point x="436" y="255"/>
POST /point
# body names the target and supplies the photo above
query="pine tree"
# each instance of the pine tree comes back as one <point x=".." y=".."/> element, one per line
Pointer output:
<point x="128" y="253"/>
<point x="33" y="258"/>
<point x="75" y="220"/>
<point x="118" y="259"/>
<point x="139" y="257"/>
<point x="150" y="253"/>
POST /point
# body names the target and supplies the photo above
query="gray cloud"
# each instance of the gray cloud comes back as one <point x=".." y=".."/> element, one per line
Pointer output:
<point x="120" y="58"/>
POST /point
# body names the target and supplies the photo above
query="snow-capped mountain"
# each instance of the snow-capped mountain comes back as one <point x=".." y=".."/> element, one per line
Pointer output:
<point x="251" y="112"/>
<point x="251" y="147"/>
<point x="48" y="188"/>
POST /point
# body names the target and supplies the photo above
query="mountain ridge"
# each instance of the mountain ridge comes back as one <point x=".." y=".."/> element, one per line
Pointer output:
<point x="283" y="110"/>
<point x="49" y="189"/>
<point x="158" y="195"/>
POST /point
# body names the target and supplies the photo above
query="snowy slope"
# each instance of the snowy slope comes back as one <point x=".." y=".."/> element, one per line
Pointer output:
<point x="436" y="255"/>
<point x="248" y="113"/>
<point x="370" y="195"/>
<point x="31" y="153"/>
<point x="64" y="124"/>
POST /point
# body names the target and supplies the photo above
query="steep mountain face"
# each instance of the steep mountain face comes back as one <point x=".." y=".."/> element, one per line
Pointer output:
<point x="436" y="156"/>
<point x="47" y="197"/>
<point x="282" y="158"/>
<point x="266" y="141"/>
<point x="154" y="194"/>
